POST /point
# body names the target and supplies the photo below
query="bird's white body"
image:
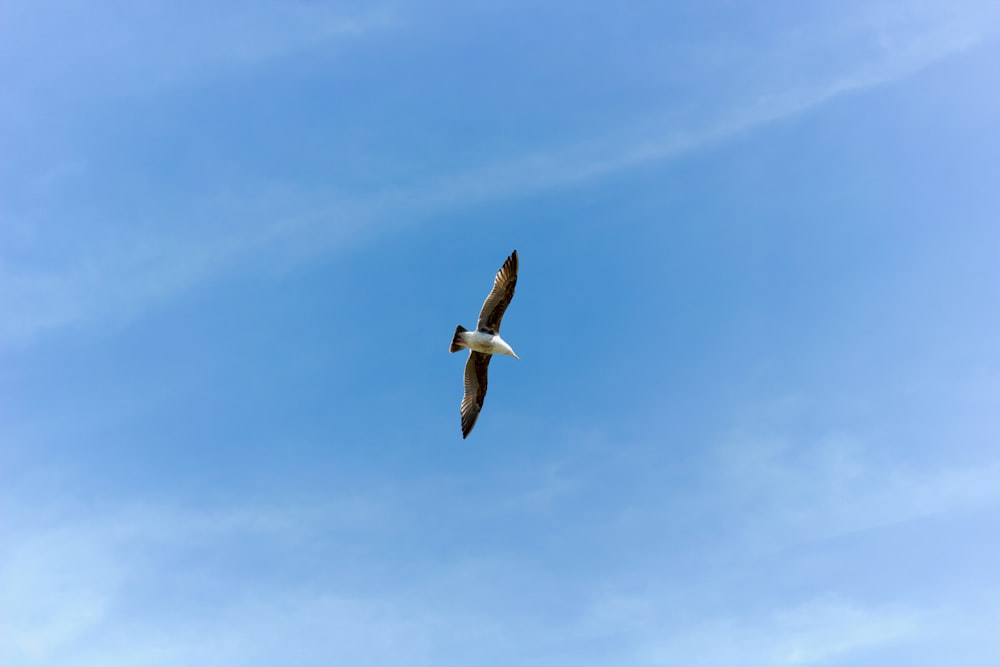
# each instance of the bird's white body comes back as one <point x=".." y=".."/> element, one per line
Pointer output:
<point x="487" y="343"/>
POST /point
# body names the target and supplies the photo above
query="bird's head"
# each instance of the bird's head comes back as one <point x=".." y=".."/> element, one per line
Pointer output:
<point x="505" y="348"/>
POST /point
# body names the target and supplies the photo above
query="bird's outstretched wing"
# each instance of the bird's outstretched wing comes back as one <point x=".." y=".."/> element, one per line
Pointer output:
<point x="475" y="389"/>
<point x="500" y="296"/>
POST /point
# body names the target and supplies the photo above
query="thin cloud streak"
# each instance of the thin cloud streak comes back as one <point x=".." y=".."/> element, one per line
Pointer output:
<point x="67" y="583"/>
<point x="113" y="286"/>
<point x="825" y="489"/>
<point x="65" y="580"/>
<point x="540" y="171"/>
<point x="166" y="48"/>
<point x="812" y="633"/>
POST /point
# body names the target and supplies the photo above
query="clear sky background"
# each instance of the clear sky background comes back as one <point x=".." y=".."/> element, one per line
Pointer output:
<point x="757" y="413"/>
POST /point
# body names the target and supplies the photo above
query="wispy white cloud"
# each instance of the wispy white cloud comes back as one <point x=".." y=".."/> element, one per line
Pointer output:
<point x="902" y="53"/>
<point x="115" y="281"/>
<point x="814" y="633"/>
<point x="56" y="587"/>
<point x="66" y="583"/>
<point x="100" y="585"/>
<point x="823" y="630"/>
<point x="141" y="47"/>
<point x="828" y="487"/>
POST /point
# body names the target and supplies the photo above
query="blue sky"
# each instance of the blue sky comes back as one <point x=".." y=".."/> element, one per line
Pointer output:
<point x="755" y="417"/>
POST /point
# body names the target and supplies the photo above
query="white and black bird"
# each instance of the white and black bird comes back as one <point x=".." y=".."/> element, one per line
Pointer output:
<point x="485" y="341"/>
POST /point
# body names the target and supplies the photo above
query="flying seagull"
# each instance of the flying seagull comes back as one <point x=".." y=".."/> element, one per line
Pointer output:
<point x="484" y="342"/>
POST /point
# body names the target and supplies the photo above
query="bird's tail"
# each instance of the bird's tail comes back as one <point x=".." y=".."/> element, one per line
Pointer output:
<point x="456" y="342"/>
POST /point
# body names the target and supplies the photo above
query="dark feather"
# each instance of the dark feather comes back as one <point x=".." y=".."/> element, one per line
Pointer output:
<point x="475" y="389"/>
<point x="501" y="294"/>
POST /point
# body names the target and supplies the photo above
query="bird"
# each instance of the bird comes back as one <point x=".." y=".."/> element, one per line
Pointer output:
<point x="484" y="342"/>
